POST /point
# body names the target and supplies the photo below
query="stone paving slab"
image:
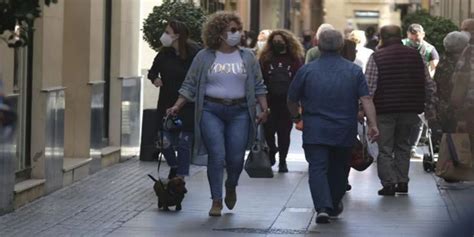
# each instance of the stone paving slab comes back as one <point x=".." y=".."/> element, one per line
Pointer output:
<point x="282" y="207"/>
<point x="119" y="201"/>
<point x="94" y="206"/>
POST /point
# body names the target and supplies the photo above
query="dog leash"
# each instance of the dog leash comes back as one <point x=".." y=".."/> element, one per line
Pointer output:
<point x="160" y="154"/>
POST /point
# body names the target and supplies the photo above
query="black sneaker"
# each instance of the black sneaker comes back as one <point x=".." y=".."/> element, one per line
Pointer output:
<point x="172" y="173"/>
<point x="334" y="214"/>
<point x="282" y="167"/>
<point x="322" y="217"/>
<point x="272" y="157"/>
<point x="402" y="188"/>
<point x="387" y="191"/>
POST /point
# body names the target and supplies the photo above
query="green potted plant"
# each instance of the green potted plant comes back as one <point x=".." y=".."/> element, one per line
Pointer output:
<point x="156" y="22"/>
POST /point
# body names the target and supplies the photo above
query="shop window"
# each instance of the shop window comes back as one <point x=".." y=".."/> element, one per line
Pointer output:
<point x="212" y="6"/>
<point x="20" y="89"/>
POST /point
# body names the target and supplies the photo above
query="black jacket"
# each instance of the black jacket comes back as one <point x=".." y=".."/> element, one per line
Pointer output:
<point x="172" y="70"/>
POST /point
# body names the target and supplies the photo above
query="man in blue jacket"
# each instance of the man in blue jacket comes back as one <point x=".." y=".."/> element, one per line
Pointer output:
<point x="329" y="90"/>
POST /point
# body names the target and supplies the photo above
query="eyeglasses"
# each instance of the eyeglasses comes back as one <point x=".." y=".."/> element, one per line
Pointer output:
<point x="235" y="29"/>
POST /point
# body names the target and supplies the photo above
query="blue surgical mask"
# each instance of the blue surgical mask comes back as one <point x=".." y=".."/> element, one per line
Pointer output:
<point x="233" y="39"/>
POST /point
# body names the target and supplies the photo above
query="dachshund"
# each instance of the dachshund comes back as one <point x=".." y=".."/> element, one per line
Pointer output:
<point x="169" y="193"/>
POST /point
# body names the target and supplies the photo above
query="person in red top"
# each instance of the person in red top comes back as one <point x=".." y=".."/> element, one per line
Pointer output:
<point x="281" y="57"/>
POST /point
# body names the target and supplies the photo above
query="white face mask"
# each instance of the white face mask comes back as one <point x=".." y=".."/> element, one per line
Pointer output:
<point x="166" y="40"/>
<point x="261" y="44"/>
<point x="233" y="39"/>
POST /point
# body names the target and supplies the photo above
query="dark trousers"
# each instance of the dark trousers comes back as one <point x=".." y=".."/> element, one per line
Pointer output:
<point x="327" y="173"/>
<point x="279" y="123"/>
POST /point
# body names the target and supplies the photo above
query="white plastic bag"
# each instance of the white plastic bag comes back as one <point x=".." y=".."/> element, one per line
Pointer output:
<point x="372" y="147"/>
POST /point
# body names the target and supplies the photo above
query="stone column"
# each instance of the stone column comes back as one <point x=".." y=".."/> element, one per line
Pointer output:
<point x="77" y="74"/>
<point x="125" y="58"/>
<point x="47" y="76"/>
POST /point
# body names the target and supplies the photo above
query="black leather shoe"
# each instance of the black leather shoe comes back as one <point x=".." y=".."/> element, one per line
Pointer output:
<point x="387" y="191"/>
<point x="402" y="188"/>
<point x="322" y="217"/>
<point x="282" y="167"/>
<point x="334" y="214"/>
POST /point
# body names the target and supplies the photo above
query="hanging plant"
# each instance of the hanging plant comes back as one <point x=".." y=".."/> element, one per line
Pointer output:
<point x="16" y="16"/>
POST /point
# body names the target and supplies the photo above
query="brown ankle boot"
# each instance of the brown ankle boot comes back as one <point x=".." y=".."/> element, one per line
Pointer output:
<point x="216" y="208"/>
<point x="230" y="197"/>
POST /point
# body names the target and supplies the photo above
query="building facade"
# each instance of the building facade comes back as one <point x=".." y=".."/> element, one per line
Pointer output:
<point x="76" y="91"/>
<point x="456" y="10"/>
<point x="294" y="15"/>
<point x="360" y="14"/>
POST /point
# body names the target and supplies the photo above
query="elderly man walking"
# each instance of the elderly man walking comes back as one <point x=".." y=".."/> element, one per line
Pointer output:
<point x="329" y="89"/>
<point x="397" y="79"/>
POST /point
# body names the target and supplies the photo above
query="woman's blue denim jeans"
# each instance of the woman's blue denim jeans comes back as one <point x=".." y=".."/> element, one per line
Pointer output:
<point x="180" y="142"/>
<point x="224" y="130"/>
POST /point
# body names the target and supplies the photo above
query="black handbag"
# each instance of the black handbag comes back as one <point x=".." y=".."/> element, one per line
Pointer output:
<point x="258" y="163"/>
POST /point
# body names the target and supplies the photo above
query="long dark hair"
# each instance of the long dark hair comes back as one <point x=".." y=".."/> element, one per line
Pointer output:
<point x="294" y="47"/>
<point x="183" y="31"/>
<point x="349" y="50"/>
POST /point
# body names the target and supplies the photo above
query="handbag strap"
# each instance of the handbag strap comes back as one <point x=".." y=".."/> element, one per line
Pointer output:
<point x="363" y="140"/>
<point x="258" y="133"/>
<point x="364" y="133"/>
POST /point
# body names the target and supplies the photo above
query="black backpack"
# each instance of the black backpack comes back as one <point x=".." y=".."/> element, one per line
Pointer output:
<point x="279" y="80"/>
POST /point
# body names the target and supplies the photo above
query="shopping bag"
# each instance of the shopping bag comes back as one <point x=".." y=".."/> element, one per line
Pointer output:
<point x="372" y="147"/>
<point x="455" y="158"/>
<point x="258" y="163"/>
<point x="360" y="157"/>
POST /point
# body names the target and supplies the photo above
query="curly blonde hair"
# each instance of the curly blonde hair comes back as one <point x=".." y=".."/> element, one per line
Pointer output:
<point x="293" y="46"/>
<point x="215" y="25"/>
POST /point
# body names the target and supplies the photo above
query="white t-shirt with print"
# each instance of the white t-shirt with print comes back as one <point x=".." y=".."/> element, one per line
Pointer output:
<point x="227" y="76"/>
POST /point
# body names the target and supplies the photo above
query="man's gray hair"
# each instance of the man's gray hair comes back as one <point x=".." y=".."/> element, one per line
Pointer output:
<point x="456" y="41"/>
<point x="330" y="40"/>
<point x="323" y="27"/>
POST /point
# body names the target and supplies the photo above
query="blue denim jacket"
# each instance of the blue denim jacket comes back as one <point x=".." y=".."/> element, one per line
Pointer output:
<point x="194" y="89"/>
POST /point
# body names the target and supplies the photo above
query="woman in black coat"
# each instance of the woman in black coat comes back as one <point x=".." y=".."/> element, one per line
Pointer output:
<point x="167" y="73"/>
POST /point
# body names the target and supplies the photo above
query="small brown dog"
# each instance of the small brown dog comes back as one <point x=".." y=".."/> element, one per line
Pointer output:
<point x="170" y="193"/>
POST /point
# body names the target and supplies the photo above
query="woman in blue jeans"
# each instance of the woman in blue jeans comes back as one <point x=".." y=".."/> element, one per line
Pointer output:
<point x="225" y="82"/>
<point x="168" y="72"/>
